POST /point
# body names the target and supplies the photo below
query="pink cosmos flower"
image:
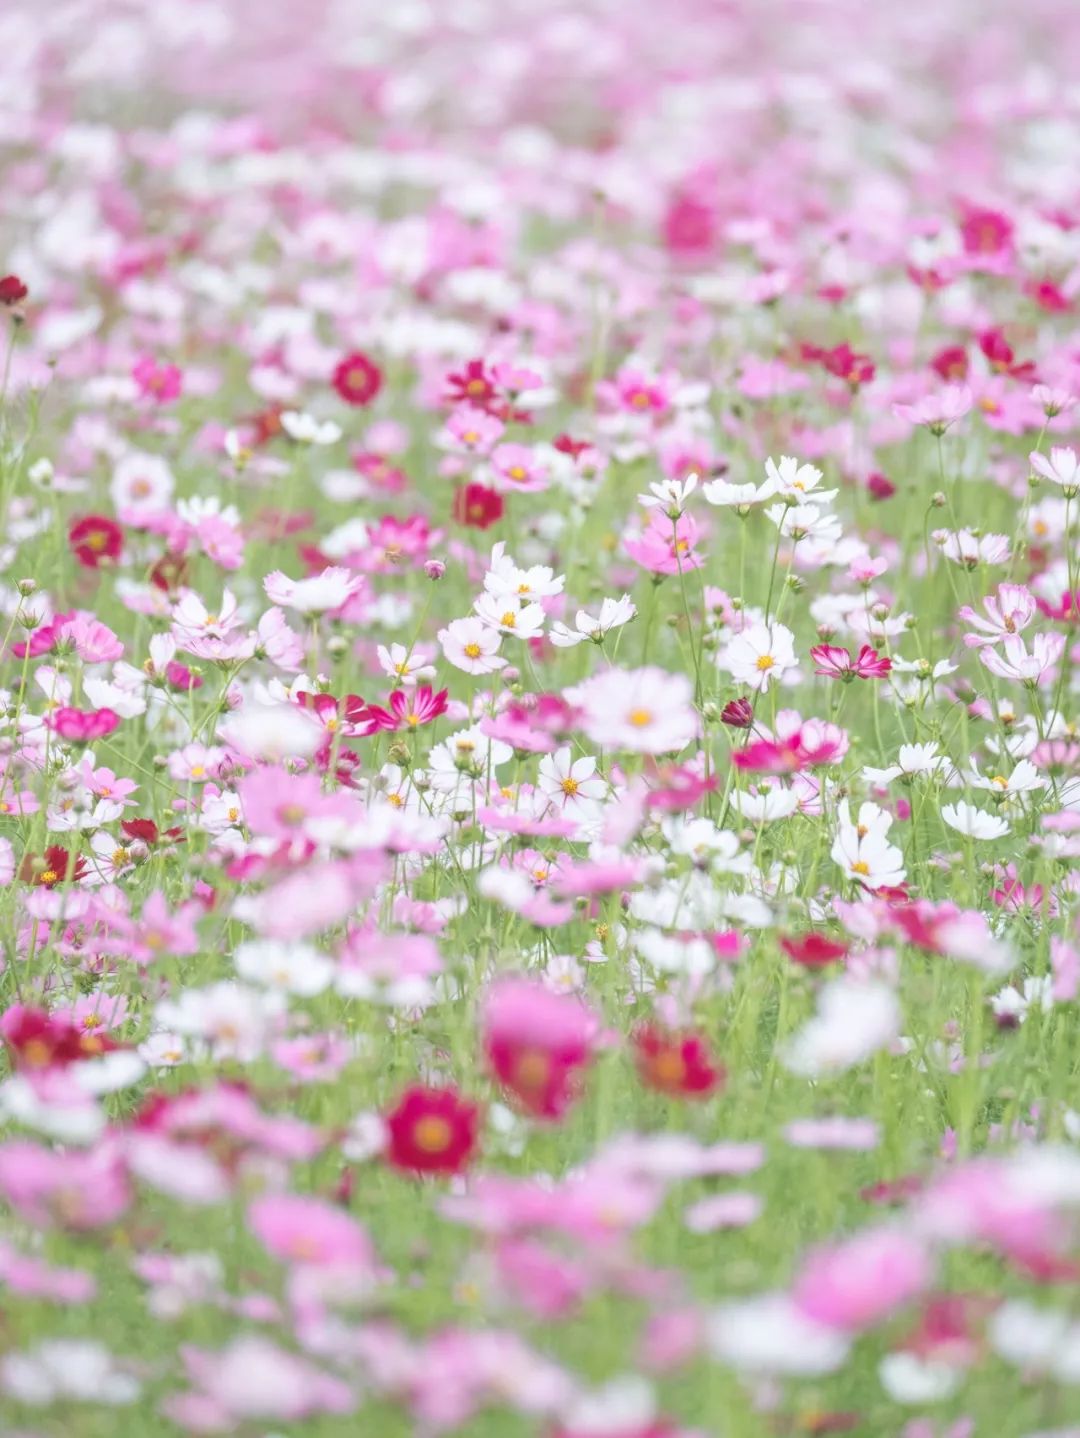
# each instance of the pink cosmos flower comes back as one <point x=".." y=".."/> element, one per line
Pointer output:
<point x="1008" y="611"/>
<point x="159" y="382"/>
<point x="537" y="1043"/>
<point x="938" y="411"/>
<point x="94" y="642"/>
<point x="863" y="1280"/>
<point x="409" y="709"/>
<point x="666" y="546"/>
<point x="252" y="1379"/>
<point x="82" y="726"/>
<point x="834" y="662"/>
<point x="299" y="1229"/>
<point x="646" y="711"/>
<point x="77" y="1190"/>
<point x="515" y="469"/>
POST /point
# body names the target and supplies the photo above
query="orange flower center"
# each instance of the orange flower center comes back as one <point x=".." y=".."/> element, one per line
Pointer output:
<point x="432" y="1134"/>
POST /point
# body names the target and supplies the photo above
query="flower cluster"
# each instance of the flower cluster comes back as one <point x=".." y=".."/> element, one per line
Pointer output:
<point x="539" y="737"/>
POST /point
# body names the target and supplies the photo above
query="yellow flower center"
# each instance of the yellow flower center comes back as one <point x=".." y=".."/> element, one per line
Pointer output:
<point x="432" y="1134"/>
<point x="668" y="1067"/>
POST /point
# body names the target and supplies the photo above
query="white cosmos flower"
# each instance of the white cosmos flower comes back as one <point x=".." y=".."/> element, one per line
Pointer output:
<point x="911" y="760"/>
<point x="234" y="1018"/>
<point x="1061" y="468"/>
<point x="128" y="703"/>
<point x="762" y="803"/>
<point x="907" y="1378"/>
<point x="472" y="646"/>
<point x="70" y="1116"/>
<point x="670" y="495"/>
<point x="306" y="429"/>
<point x="973" y="822"/>
<point x="1024" y="779"/>
<point x="671" y="955"/>
<point x="322" y="592"/>
<point x="699" y="839"/>
<point x="1037" y="992"/>
<point x="293" y="968"/>
<point x="647" y="711"/>
<point x="272" y="732"/>
<point x="625" y="1405"/>
<point x="862" y="850"/>
<point x="971" y="550"/>
<point x="854" y="1020"/>
<point x="72" y="1369"/>
<point x="613" y="614"/>
<point x="804" y="521"/>
<point x="510" y="616"/>
<point x="570" y="783"/>
<point x="767" y="1334"/>
<point x="505" y="578"/>
<point x="796" y="480"/>
<point x="142" y="482"/>
<point x="759" y="654"/>
<point x="469" y="751"/>
<point x="724" y="494"/>
<point x="405" y="666"/>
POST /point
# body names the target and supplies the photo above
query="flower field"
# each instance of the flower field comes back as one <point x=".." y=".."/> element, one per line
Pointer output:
<point x="540" y="750"/>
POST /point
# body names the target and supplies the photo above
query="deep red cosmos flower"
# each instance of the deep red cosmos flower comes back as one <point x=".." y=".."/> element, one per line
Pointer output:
<point x="36" y="1040"/>
<point x="880" y="486"/>
<point x="737" y="714"/>
<point x="95" y="540"/>
<point x="358" y="379"/>
<point x="12" y="291"/>
<point x="951" y="363"/>
<point x="813" y="950"/>
<point x="477" y="506"/>
<point x="679" y="1065"/>
<point x="847" y="364"/>
<point x="51" y="868"/>
<point x="145" y="831"/>
<point x="431" y="1130"/>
